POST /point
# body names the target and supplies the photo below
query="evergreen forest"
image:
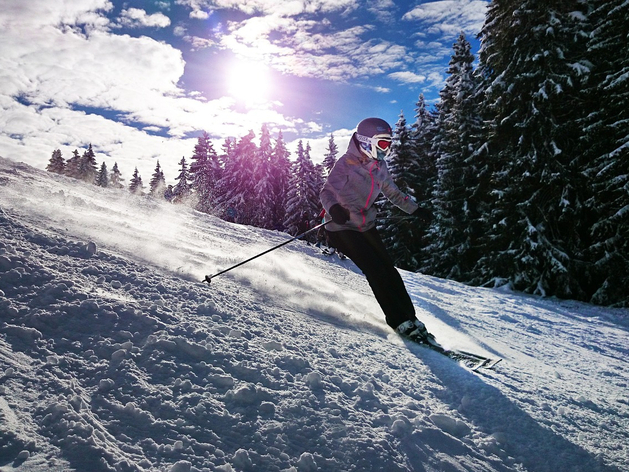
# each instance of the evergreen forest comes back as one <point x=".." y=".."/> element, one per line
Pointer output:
<point x="524" y="161"/>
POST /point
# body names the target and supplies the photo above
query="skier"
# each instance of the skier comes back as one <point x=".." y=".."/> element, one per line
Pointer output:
<point x="354" y="184"/>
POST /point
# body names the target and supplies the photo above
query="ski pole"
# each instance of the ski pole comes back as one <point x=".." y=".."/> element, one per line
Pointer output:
<point x="208" y="278"/>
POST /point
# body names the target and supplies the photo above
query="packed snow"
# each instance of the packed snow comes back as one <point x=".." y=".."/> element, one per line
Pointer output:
<point x="114" y="356"/>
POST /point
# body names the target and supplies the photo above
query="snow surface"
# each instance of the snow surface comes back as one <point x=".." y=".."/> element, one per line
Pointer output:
<point x="113" y="355"/>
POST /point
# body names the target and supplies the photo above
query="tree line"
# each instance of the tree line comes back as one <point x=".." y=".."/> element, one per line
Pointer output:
<point x="246" y="183"/>
<point x="523" y="161"/>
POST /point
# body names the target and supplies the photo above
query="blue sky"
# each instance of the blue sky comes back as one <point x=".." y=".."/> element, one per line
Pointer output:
<point x="140" y="79"/>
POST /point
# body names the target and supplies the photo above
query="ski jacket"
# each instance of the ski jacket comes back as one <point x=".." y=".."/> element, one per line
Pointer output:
<point x="355" y="182"/>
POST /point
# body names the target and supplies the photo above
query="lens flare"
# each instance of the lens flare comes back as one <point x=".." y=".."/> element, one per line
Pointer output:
<point x="249" y="82"/>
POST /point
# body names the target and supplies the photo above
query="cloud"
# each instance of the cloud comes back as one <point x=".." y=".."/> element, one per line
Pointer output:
<point x="407" y="77"/>
<point x="293" y="39"/>
<point x="309" y="48"/>
<point x="137" y="18"/>
<point x="73" y="84"/>
<point x="96" y="70"/>
<point x="382" y="89"/>
<point x="285" y="8"/>
<point x="34" y="13"/>
<point x="382" y="10"/>
<point x="450" y="17"/>
<point x="40" y="131"/>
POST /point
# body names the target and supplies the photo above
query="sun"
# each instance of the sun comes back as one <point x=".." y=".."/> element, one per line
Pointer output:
<point x="248" y="82"/>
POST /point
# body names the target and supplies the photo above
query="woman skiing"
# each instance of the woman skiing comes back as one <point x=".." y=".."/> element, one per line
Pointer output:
<point x="354" y="184"/>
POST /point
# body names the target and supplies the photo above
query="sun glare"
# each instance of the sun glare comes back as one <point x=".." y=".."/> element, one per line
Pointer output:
<point x="248" y="82"/>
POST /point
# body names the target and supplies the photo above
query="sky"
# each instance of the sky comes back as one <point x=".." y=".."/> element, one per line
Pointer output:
<point x="140" y="80"/>
<point x="114" y="356"/>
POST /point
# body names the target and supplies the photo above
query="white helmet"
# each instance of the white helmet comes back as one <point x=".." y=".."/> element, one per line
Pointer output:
<point x="374" y="137"/>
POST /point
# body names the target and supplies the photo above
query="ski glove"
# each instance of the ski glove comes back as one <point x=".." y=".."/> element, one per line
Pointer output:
<point x="423" y="214"/>
<point x="339" y="214"/>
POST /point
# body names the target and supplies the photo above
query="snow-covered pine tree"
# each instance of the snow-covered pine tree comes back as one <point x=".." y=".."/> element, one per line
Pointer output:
<point x="205" y="172"/>
<point x="87" y="166"/>
<point x="454" y="235"/>
<point x="606" y="151"/>
<point x="316" y="182"/>
<point x="136" y="187"/>
<point x="157" y="185"/>
<point x="237" y="184"/>
<point x="302" y="206"/>
<point x="330" y="156"/>
<point x="221" y="189"/>
<point x="422" y="134"/>
<point x="73" y="165"/>
<point x="263" y="183"/>
<point x="57" y="164"/>
<point x="401" y="235"/>
<point x="281" y="172"/>
<point x="116" y="180"/>
<point x="529" y="60"/>
<point x="182" y="189"/>
<point x="102" y="177"/>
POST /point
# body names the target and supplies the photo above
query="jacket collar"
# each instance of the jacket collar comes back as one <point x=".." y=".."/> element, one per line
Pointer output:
<point x="356" y="154"/>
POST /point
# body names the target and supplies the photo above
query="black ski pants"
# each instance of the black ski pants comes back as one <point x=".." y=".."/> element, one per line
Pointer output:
<point x="369" y="253"/>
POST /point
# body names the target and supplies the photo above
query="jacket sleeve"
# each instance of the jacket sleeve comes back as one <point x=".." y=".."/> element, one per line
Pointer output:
<point x="396" y="196"/>
<point x="333" y="187"/>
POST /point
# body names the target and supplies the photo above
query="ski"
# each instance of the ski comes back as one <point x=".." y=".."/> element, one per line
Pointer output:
<point x="472" y="361"/>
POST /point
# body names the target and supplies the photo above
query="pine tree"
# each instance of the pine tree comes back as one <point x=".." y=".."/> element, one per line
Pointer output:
<point x="454" y="237"/>
<point x="281" y="172"/>
<point x="205" y="172"/>
<point x="401" y="236"/>
<point x="263" y="186"/>
<point x="116" y="180"/>
<point x="606" y="152"/>
<point x="136" y="187"/>
<point x="422" y="135"/>
<point x="157" y="185"/>
<point x="57" y="164"/>
<point x="73" y="165"/>
<point x="221" y="202"/>
<point x="102" y="177"/>
<point x="317" y="181"/>
<point x="529" y="61"/>
<point x="182" y="189"/>
<point x="302" y="207"/>
<point x="329" y="159"/>
<point x="423" y="132"/>
<point x="87" y="166"/>
<point x="237" y="184"/>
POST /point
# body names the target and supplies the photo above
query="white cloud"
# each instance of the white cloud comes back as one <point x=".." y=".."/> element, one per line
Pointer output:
<point x="99" y="70"/>
<point x="407" y="77"/>
<point x="16" y="15"/>
<point x="199" y="14"/>
<point x="130" y="84"/>
<point x="272" y="7"/>
<point x="450" y="17"/>
<point x="136" y="18"/>
<point x="42" y="131"/>
<point x="327" y="54"/>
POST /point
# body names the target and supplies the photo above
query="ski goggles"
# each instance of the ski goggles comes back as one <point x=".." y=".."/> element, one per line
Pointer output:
<point x="379" y="142"/>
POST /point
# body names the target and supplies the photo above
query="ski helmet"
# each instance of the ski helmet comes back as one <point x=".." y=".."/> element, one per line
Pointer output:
<point x="374" y="137"/>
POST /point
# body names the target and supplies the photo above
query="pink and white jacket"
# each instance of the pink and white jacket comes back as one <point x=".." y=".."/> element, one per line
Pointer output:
<point x="355" y="183"/>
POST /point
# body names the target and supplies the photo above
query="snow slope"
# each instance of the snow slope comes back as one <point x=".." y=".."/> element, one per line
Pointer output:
<point x="114" y="357"/>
